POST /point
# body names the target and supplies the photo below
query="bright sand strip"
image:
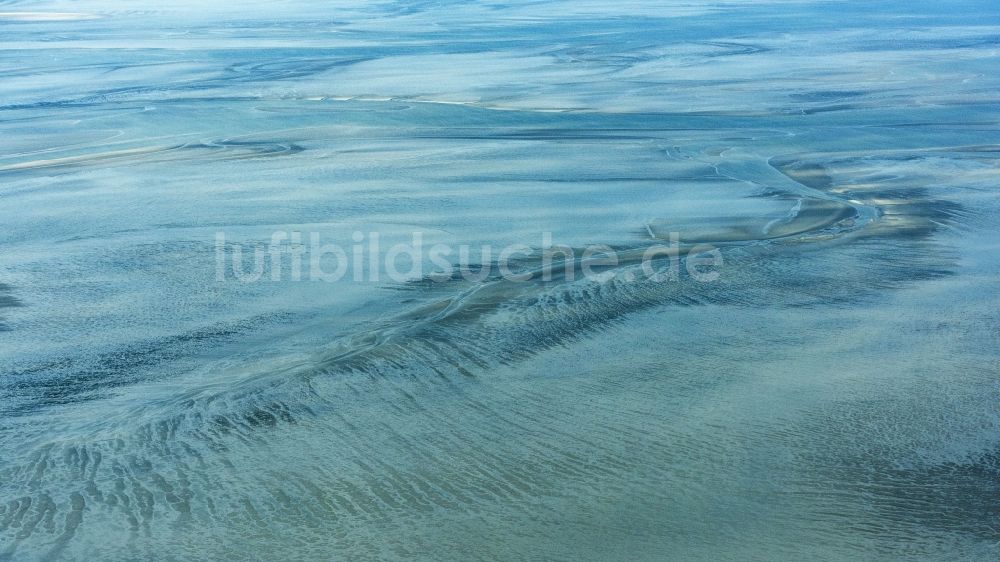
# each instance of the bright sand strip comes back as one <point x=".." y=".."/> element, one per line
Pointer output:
<point x="45" y="16"/>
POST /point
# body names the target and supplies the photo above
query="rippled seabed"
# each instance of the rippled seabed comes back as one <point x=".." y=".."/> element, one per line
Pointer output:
<point x="833" y="394"/>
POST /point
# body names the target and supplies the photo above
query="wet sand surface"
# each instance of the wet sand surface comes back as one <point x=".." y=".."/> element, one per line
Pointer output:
<point x="832" y="394"/>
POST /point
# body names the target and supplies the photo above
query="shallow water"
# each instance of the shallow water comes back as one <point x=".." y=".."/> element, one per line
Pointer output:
<point x="831" y="394"/>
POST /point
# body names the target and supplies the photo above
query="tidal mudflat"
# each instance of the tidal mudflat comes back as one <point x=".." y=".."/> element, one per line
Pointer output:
<point x="771" y="329"/>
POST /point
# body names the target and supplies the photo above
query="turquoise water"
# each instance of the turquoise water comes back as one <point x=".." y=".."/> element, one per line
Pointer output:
<point x="830" y="393"/>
